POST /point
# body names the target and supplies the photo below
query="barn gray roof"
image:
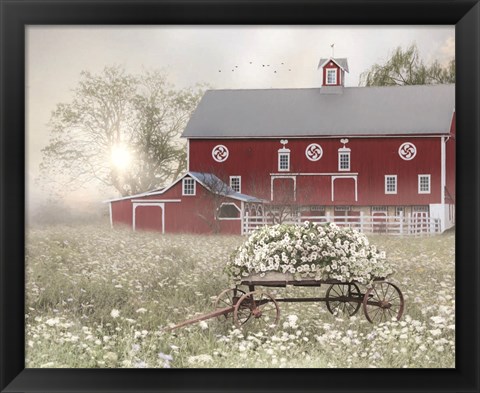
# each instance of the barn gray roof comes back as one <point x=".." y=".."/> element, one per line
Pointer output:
<point x="214" y="184"/>
<point x="358" y="111"/>
<point x="342" y="62"/>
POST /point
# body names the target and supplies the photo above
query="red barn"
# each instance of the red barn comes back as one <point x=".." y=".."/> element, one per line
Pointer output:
<point x="376" y="158"/>
<point x="195" y="203"/>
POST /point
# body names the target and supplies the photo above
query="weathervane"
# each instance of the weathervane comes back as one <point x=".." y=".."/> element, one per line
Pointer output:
<point x="332" y="46"/>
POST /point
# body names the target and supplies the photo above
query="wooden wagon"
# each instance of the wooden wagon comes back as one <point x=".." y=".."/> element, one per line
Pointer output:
<point x="381" y="302"/>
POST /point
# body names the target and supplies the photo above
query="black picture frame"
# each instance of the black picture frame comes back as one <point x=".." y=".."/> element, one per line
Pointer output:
<point x="15" y="15"/>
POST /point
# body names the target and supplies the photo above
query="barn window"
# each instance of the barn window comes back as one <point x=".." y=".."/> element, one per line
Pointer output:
<point x="332" y="77"/>
<point x="383" y="209"/>
<point x="236" y="183"/>
<point x="424" y="184"/>
<point x="283" y="157"/>
<point x="228" y="211"/>
<point x="390" y="184"/>
<point x="188" y="186"/>
<point x="344" y="159"/>
<point x="284" y="162"/>
<point x="399" y="210"/>
<point x="343" y="208"/>
<point x="420" y="209"/>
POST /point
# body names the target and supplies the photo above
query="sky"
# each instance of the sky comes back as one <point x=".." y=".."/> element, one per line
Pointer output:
<point x="190" y="55"/>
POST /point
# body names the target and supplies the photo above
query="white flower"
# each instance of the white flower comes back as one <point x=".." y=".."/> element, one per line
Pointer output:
<point x="52" y="321"/>
<point x="438" y="320"/>
<point x="203" y="325"/>
<point x="343" y="254"/>
<point x="165" y="357"/>
<point x="201" y="359"/>
<point x="115" y="313"/>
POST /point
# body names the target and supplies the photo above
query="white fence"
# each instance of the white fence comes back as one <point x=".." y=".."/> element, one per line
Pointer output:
<point x="416" y="224"/>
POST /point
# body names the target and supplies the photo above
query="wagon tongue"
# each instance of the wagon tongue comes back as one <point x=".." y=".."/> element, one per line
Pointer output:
<point x="213" y="314"/>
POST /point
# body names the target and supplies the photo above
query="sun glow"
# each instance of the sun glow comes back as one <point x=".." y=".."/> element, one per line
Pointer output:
<point x="120" y="157"/>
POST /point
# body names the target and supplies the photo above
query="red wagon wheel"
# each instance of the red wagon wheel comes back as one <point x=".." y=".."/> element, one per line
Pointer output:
<point x="382" y="302"/>
<point x="259" y="308"/>
<point x="339" y="298"/>
<point x="228" y="298"/>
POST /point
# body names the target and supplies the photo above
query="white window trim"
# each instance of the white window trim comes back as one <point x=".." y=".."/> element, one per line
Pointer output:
<point x="239" y="183"/>
<point x="429" y="184"/>
<point x="194" y="186"/>
<point x="342" y="208"/>
<point x="294" y="178"/>
<point x="354" y="177"/>
<point x="229" y="218"/>
<point x="379" y="209"/>
<point x="336" y="76"/>
<point x="287" y="154"/>
<point x="340" y="152"/>
<point x="420" y="209"/>
<point x="396" y="186"/>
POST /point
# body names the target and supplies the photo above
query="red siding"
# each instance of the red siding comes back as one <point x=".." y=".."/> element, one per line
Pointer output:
<point x="372" y="158"/>
<point x="122" y="213"/>
<point x="148" y="218"/>
<point x="283" y="190"/>
<point x="344" y="190"/>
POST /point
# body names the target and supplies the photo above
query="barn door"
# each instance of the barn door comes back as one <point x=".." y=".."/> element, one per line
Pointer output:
<point x="344" y="190"/>
<point x="283" y="190"/>
<point x="149" y="217"/>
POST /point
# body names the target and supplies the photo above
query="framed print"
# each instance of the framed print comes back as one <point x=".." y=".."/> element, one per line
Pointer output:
<point x="195" y="194"/>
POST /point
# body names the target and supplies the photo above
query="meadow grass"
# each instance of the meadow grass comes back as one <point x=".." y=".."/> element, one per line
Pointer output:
<point x="97" y="297"/>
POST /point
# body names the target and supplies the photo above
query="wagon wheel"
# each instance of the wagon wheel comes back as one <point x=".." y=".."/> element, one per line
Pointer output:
<point x="338" y="296"/>
<point x="228" y="298"/>
<point x="383" y="302"/>
<point x="258" y="307"/>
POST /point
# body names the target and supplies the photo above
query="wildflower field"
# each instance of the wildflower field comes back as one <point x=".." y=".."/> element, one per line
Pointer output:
<point x="97" y="297"/>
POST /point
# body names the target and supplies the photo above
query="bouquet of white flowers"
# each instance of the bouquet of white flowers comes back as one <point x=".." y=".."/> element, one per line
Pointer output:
<point x="309" y="251"/>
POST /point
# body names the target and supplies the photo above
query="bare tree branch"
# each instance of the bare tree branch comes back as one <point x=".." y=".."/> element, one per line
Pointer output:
<point x="142" y="112"/>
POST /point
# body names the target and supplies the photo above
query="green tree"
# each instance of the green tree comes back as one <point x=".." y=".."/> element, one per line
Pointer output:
<point x="405" y="67"/>
<point x="120" y="130"/>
